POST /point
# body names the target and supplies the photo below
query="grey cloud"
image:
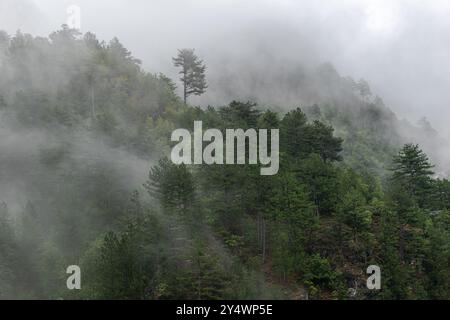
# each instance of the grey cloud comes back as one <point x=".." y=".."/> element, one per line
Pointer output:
<point x="401" y="47"/>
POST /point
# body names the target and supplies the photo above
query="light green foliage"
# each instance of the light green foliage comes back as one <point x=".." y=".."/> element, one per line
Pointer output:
<point x="96" y="120"/>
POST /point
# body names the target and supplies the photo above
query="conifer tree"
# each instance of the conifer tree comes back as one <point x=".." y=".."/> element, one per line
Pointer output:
<point x="413" y="169"/>
<point x="192" y="73"/>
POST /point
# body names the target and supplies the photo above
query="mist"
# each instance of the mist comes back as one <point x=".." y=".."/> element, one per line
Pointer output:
<point x="85" y="129"/>
<point x="400" y="47"/>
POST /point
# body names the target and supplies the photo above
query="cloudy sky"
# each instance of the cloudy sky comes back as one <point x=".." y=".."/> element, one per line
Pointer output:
<point x="401" y="47"/>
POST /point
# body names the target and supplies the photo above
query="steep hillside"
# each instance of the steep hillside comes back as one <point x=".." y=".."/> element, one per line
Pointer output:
<point x="85" y="179"/>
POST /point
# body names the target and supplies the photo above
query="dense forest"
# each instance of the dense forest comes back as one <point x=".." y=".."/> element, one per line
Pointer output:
<point x="86" y="179"/>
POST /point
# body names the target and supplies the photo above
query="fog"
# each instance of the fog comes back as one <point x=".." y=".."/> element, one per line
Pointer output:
<point x="400" y="47"/>
<point x="81" y="126"/>
<point x="23" y="164"/>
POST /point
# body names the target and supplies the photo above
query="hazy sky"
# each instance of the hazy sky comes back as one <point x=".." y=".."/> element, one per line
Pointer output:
<point x="401" y="47"/>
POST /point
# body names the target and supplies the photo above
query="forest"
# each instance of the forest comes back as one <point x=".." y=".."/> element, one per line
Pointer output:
<point x="86" y="179"/>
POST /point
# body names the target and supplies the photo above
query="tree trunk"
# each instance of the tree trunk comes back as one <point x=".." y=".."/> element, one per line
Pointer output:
<point x="185" y="94"/>
<point x="185" y="86"/>
<point x="93" y="102"/>
<point x="263" y="240"/>
<point x="261" y="231"/>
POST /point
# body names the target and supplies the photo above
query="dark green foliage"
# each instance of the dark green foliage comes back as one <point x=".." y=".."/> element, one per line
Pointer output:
<point x="91" y="120"/>
<point x="301" y="138"/>
<point x="173" y="186"/>
<point x="238" y="113"/>
<point x="412" y="169"/>
<point x="8" y="255"/>
<point x="125" y="264"/>
<point x="192" y="73"/>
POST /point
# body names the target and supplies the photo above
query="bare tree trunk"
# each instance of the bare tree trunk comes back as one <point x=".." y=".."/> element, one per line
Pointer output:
<point x="261" y="235"/>
<point x="185" y="85"/>
<point x="316" y="201"/>
<point x="93" y="102"/>
<point x="263" y="240"/>
<point x="402" y="243"/>
<point x="258" y="229"/>
<point x="185" y="94"/>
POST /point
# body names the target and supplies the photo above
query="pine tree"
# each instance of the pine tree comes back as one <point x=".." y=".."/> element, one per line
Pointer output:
<point x="173" y="186"/>
<point x="412" y="169"/>
<point x="323" y="142"/>
<point x="192" y="71"/>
